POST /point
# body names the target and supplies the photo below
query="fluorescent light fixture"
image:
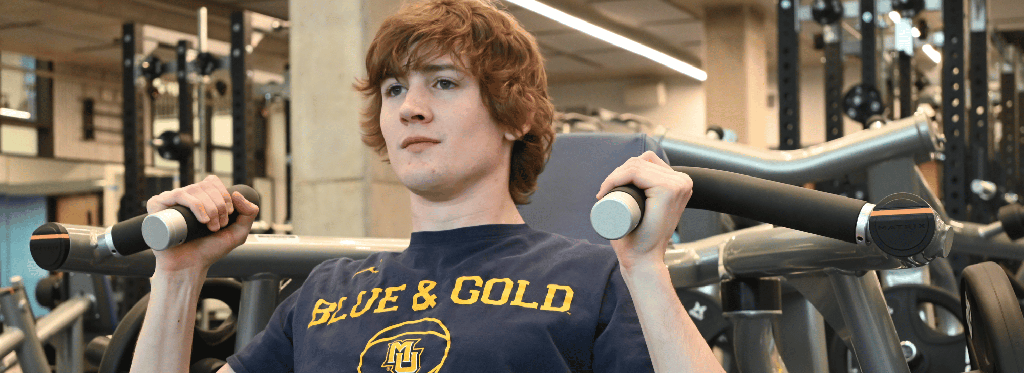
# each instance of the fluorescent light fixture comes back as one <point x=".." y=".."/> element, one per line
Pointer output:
<point x="613" y="38"/>
<point x="15" y="113"/>
<point x="915" y="32"/>
<point x="894" y="16"/>
<point x="930" y="51"/>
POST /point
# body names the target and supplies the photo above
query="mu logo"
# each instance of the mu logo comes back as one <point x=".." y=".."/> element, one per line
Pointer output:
<point x="403" y="356"/>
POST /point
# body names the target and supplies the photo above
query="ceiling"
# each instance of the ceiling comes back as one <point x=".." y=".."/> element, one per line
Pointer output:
<point x="87" y="31"/>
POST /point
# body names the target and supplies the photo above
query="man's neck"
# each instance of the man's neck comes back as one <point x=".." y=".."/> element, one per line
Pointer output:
<point x="492" y="205"/>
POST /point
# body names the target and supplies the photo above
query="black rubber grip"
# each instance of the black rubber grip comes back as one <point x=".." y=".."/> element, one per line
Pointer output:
<point x="1012" y="217"/>
<point x="785" y="205"/>
<point x="127" y="235"/>
<point x="198" y="230"/>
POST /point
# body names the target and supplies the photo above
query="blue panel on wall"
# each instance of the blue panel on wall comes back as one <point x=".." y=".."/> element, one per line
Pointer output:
<point x="19" y="217"/>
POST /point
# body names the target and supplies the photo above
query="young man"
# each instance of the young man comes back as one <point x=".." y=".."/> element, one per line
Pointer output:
<point x="458" y="106"/>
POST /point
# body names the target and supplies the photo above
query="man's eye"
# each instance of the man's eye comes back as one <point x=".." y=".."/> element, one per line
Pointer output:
<point x="393" y="90"/>
<point x="445" y="84"/>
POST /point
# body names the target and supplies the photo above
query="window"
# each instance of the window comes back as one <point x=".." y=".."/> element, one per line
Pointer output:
<point x="18" y="79"/>
<point x="26" y="120"/>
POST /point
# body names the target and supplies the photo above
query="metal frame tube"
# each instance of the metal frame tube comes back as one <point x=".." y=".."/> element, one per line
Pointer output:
<point x="70" y="348"/>
<point x="752" y="336"/>
<point x="801" y="328"/>
<point x="283" y="255"/>
<point x="62" y="317"/>
<point x="255" y="307"/>
<point x="873" y="336"/>
<point x="764" y="251"/>
<point x="915" y="135"/>
<point x="16" y="315"/>
<point x="979" y="239"/>
<point x="10" y="340"/>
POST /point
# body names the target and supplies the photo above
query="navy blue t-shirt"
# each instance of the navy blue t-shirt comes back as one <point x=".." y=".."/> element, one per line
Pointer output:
<point x="487" y="298"/>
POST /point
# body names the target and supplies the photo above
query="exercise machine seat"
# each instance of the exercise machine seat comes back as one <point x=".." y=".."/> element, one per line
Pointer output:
<point x="578" y="164"/>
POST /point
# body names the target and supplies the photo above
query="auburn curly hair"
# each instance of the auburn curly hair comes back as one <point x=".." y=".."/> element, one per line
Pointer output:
<point x="501" y="55"/>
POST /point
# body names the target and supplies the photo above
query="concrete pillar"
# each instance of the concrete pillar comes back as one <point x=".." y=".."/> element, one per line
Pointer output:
<point x="340" y="188"/>
<point x="736" y="60"/>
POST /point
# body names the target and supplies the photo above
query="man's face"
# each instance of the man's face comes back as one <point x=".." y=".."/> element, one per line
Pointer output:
<point x="461" y="144"/>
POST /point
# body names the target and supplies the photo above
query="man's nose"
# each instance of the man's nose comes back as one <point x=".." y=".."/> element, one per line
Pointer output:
<point x="415" y="107"/>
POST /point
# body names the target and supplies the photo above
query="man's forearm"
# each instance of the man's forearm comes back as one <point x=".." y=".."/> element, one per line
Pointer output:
<point x="673" y="340"/>
<point x="165" y="341"/>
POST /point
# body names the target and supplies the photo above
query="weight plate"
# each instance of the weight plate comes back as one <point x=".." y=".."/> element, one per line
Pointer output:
<point x="992" y="313"/>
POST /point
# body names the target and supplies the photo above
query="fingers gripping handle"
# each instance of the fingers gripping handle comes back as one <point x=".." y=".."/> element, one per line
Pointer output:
<point x="168" y="228"/>
<point x="619" y="212"/>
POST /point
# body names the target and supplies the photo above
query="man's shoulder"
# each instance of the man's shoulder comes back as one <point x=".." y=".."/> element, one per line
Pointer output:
<point x="561" y="246"/>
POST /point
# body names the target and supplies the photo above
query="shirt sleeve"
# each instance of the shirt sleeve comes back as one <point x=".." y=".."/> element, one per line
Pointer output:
<point x="271" y="350"/>
<point x="620" y="345"/>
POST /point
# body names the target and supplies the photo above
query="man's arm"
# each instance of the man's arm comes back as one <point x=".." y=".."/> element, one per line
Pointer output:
<point x="165" y="341"/>
<point x="672" y="338"/>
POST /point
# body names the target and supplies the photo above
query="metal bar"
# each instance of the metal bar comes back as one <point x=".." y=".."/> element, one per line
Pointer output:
<point x="62" y="317"/>
<point x="134" y="116"/>
<point x="202" y="110"/>
<point x="802" y="330"/>
<point x="833" y="35"/>
<point x="288" y="157"/>
<point x="906" y="91"/>
<point x="186" y="167"/>
<point x="754" y="345"/>
<point x="71" y="350"/>
<point x="259" y="295"/>
<point x="1018" y="145"/>
<point x="764" y="251"/>
<point x="9" y="340"/>
<point x="284" y="255"/>
<point x="976" y="167"/>
<point x="242" y="112"/>
<point x="16" y="315"/>
<point x="1008" y="119"/>
<point x="789" y="76"/>
<point x="954" y="185"/>
<point x="869" y="74"/>
<point x="978" y="239"/>
<point x="914" y="136"/>
<point x="873" y="337"/>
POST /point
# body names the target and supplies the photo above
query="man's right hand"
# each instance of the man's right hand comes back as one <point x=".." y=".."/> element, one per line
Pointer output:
<point x="210" y="202"/>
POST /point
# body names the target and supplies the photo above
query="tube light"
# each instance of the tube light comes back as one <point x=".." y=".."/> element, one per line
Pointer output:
<point x="894" y="16"/>
<point x="613" y="38"/>
<point x="930" y="51"/>
<point x="15" y="113"/>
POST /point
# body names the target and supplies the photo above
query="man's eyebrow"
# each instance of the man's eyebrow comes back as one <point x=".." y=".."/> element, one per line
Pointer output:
<point x="436" y="68"/>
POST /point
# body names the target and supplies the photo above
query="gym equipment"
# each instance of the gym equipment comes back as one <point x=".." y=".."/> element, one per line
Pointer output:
<point x="916" y="136"/>
<point x="902" y="225"/>
<point x="161" y="230"/>
<point x="175" y="146"/>
<point x="24" y="335"/>
<point x="206" y="344"/>
<point x="994" y="320"/>
<point x="827" y="272"/>
<point x="863" y="103"/>
<point x="925" y="349"/>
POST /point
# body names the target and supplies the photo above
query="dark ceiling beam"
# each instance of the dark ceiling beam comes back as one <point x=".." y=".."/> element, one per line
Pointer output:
<point x="590" y="15"/>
